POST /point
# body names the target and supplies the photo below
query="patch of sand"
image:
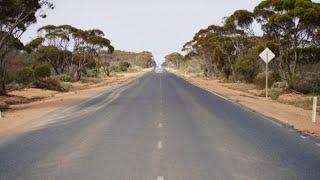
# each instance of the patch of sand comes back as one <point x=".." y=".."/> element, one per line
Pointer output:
<point x="33" y="93"/>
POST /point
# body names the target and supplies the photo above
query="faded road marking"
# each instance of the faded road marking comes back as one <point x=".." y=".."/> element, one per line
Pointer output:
<point x="159" y="145"/>
<point x="303" y="137"/>
<point x="160" y="178"/>
<point x="272" y="121"/>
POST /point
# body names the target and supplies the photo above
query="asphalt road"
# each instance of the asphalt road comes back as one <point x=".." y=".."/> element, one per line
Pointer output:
<point x="159" y="127"/>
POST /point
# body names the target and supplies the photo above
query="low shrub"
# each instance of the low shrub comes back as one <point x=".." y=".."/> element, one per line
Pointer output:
<point x="91" y="73"/>
<point x="135" y="69"/>
<point x="51" y="84"/>
<point x="260" y="80"/>
<point x="274" y="77"/>
<point x="42" y="71"/>
<point x="281" y="85"/>
<point x="3" y="105"/>
<point x="246" y="67"/>
<point x="65" y="87"/>
<point x="64" y="77"/>
<point x="306" y="86"/>
<point x="90" y="80"/>
<point x="15" y="86"/>
<point x="25" y="76"/>
<point x="274" y="93"/>
<point x="124" y="65"/>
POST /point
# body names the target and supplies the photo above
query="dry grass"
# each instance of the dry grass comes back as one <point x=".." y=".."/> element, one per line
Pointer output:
<point x="240" y="87"/>
<point x="298" y="100"/>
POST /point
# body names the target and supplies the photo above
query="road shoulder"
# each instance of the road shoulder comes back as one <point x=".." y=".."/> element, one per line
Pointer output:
<point x="24" y="117"/>
<point x="298" y="118"/>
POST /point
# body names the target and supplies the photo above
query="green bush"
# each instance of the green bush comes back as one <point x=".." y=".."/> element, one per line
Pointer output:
<point x="260" y="80"/>
<point x="65" y="87"/>
<point x="306" y="85"/>
<point x="245" y="71"/>
<point x="42" y="71"/>
<point x="15" y="86"/>
<point x="135" y="69"/>
<point x="64" y="77"/>
<point x="91" y="73"/>
<point x="124" y="65"/>
<point x="274" y="77"/>
<point x="246" y="67"/>
<point x="274" y="93"/>
<point x="25" y="76"/>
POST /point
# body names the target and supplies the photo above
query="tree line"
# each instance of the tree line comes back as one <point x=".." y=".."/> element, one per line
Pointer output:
<point x="69" y="50"/>
<point x="111" y="62"/>
<point x="63" y="51"/>
<point x="291" y="29"/>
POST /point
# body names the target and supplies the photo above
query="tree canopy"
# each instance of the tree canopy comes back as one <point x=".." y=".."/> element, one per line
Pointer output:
<point x="291" y="29"/>
<point x="15" y="17"/>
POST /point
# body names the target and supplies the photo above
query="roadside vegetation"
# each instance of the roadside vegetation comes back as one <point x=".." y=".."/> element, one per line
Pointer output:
<point x="61" y="54"/>
<point x="230" y="51"/>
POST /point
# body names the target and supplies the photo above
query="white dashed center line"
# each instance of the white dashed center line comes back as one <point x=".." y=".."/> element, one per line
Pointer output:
<point x="160" y="125"/>
<point x="160" y="178"/>
<point x="303" y="137"/>
<point x="159" y="144"/>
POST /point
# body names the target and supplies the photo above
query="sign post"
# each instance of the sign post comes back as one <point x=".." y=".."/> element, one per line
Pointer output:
<point x="267" y="74"/>
<point x="267" y="55"/>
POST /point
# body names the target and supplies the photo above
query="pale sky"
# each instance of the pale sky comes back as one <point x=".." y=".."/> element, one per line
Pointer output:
<point x="159" y="26"/>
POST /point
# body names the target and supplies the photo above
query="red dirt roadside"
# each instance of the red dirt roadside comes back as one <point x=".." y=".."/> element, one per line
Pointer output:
<point x="25" y="116"/>
<point x="298" y="118"/>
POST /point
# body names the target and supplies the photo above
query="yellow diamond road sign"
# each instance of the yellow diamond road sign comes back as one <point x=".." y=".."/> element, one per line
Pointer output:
<point x="267" y="55"/>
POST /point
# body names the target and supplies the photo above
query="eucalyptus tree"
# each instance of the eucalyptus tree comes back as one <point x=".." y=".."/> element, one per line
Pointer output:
<point x="53" y="46"/>
<point x="294" y="24"/>
<point x="69" y="49"/>
<point x="175" y="59"/>
<point x="144" y="59"/>
<point x="15" y="17"/>
<point x="203" y="45"/>
<point x="87" y="45"/>
<point x="316" y="37"/>
<point x="218" y="47"/>
<point x="58" y="36"/>
<point x="242" y="20"/>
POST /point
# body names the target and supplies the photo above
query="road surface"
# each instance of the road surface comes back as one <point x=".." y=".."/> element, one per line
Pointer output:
<point x="163" y="128"/>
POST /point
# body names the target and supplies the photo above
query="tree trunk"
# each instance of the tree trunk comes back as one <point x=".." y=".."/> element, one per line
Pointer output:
<point x="2" y="87"/>
<point x="77" y="75"/>
<point x="233" y="72"/>
<point x="108" y="71"/>
<point x="210" y="70"/>
<point x="295" y="63"/>
<point x="3" y="75"/>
